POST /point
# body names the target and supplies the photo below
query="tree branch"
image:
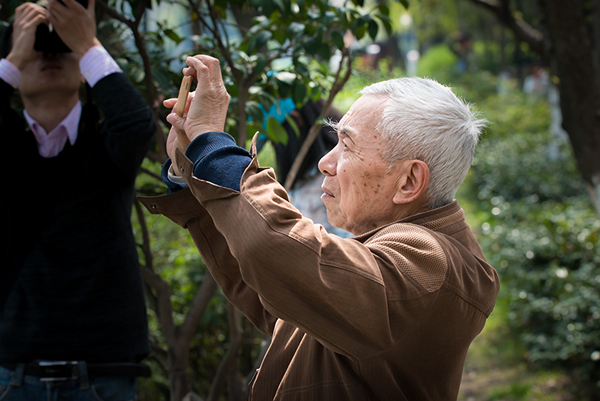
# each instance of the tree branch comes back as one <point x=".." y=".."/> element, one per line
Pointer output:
<point x="163" y="307"/>
<point x="161" y="300"/>
<point x="151" y="174"/>
<point x="338" y="84"/>
<point x="197" y="308"/>
<point x="522" y="30"/>
<point x="234" y="317"/>
<point x="114" y="14"/>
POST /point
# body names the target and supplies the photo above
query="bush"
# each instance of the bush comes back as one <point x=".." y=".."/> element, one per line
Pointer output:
<point x="540" y="231"/>
<point x="438" y="63"/>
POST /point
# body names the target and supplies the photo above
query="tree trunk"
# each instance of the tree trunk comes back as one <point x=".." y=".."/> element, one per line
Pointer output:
<point x="569" y="40"/>
<point x="178" y="376"/>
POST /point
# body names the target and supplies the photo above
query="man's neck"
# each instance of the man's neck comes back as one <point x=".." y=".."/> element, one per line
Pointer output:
<point x="49" y="111"/>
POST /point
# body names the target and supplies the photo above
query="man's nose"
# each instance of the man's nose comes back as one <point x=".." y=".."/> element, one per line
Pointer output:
<point x="327" y="164"/>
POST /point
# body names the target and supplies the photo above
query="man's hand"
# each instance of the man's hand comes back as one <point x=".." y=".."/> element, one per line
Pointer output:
<point x="177" y="137"/>
<point x="208" y="109"/>
<point x="205" y="109"/>
<point x="27" y="18"/>
<point x="75" y="24"/>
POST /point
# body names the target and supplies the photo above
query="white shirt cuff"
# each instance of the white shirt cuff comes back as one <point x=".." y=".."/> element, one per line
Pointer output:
<point x="10" y="73"/>
<point x="96" y="64"/>
<point x="177" y="179"/>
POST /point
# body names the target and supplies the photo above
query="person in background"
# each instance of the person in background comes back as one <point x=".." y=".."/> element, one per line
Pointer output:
<point x="387" y="314"/>
<point x="72" y="309"/>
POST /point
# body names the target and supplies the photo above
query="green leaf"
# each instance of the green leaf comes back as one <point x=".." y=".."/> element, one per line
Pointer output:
<point x="276" y="132"/>
<point x="404" y="3"/>
<point x="290" y="120"/>
<point x="296" y="28"/>
<point x="359" y="32"/>
<point x="387" y="23"/>
<point x="325" y="51"/>
<point x="301" y="68"/>
<point x="261" y="63"/>
<point x="253" y="110"/>
<point x="299" y="92"/>
<point x="373" y="29"/>
<point x="171" y="34"/>
<point x="263" y="38"/>
<point x="311" y="46"/>
<point x="384" y="9"/>
<point x="281" y="5"/>
<point x="258" y="41"/>
<point x="338" y="39"/>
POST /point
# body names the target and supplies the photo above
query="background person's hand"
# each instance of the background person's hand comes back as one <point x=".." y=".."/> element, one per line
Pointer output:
<point x="75" y="24"/>
<point x="27" y="18"/>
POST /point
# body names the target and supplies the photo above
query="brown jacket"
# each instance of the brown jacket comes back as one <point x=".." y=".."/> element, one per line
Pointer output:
<point x="388" y="315"/>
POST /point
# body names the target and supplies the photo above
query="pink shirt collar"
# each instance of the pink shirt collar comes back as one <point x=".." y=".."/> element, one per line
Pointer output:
<point x="51" y="143"/>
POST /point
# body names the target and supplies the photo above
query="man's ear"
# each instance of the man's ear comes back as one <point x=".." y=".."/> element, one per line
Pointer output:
<point x="413" y="182"/>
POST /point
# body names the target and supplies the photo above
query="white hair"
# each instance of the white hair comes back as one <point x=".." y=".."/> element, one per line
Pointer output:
<point x="423" y="119"/>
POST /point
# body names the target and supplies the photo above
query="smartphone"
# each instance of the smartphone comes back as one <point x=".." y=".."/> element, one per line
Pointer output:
<point x="184" y="90"/>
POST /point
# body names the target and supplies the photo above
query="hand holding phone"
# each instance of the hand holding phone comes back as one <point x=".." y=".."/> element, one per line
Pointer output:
<point x="184" y="91"/>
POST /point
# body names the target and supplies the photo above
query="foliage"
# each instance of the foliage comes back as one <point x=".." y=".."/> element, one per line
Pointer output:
<point x="438" y="61"/>
<point x="542" y="235"/>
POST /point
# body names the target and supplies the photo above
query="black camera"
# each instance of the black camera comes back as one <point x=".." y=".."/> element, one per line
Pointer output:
<point x="48" y="41"/>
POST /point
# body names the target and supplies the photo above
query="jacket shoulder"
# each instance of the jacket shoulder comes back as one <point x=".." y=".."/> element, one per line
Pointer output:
<point x="414" y="251"/>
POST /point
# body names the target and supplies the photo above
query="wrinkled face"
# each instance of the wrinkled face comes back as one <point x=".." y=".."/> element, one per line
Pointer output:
<point x="358" y="189"/>
<point x="50" y="73"/>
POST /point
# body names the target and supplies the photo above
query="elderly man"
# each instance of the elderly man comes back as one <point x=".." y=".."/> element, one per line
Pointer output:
<point x="386" y="315"/>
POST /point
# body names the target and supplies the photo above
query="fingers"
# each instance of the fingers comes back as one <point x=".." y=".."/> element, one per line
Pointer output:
<point x="205" y="69"/>
<point x="208" y="110"/>
<point x="75" y="24"/>
<point x="205" y="109"/>
<point x="171" y="103"/>
<point x="177" y="122"/>
<point x="27" y="18"/>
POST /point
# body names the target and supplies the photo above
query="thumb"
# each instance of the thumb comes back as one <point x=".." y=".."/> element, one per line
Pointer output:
<point x="177" y="123"/>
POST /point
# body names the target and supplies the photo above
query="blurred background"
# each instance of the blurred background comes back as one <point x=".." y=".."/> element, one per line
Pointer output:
<point x="532" y="68"/>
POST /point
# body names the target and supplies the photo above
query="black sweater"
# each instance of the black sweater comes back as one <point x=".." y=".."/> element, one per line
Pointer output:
<point x="78" y="292"/>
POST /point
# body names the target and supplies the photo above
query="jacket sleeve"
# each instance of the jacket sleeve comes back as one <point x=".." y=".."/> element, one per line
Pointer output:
<point x="254" y="241"/>
<point x="128" y="120"/>
<point x="183" y="208"/>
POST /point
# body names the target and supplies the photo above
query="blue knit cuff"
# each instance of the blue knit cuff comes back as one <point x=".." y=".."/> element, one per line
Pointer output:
<point x="216" y="159"/>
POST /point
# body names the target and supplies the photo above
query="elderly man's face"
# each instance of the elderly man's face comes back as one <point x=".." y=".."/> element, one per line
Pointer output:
<point x="358" y="188"/>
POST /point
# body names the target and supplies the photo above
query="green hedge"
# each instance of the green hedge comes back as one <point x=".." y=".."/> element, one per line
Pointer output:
<point x="537" y="226"/>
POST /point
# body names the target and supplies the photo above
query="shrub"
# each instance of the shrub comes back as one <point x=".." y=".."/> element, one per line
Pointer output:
<point x="540" y="231"/>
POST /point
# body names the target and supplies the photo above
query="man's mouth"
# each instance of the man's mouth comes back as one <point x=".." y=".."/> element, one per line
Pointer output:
<point x="326" y="193"/>
<point x="51" y="65"/>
